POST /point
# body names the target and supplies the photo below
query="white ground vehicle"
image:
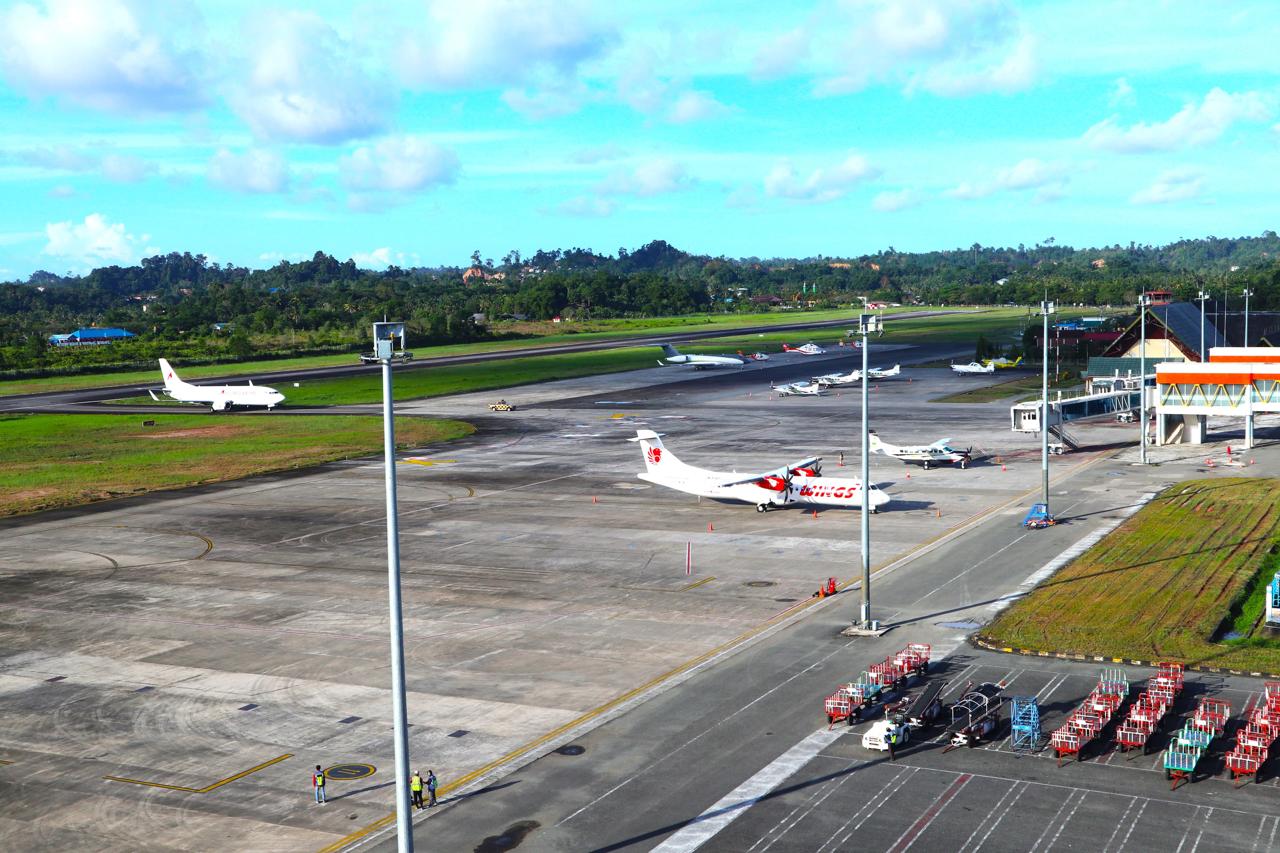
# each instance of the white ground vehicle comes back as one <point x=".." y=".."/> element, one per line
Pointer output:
<point x="877" y="737"/>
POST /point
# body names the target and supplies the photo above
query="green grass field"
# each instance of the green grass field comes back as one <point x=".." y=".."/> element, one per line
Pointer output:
<point x="1163" y="585"/>
<point x="49" y="461"/>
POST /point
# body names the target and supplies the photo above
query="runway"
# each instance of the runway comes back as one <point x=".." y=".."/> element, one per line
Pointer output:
<point x="172" y="667"/>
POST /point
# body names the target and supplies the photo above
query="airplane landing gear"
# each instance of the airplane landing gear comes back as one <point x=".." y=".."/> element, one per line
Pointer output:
<point x="762" y="507"/>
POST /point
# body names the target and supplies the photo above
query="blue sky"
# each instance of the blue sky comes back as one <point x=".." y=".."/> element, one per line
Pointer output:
<point x="413" y="132"/>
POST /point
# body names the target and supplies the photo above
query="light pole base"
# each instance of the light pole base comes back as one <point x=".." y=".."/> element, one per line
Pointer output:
<point x="873" y="629"/>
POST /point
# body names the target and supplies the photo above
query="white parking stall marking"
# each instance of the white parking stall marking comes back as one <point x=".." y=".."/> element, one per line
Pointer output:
<point x="1124" y="841"/>
<point x="1132" y="802"/>
<point x="1069" y="800"/>
<point x="993" y="819"/>
<point x="868" y="809"/>
<point x="733" y="805"/>
<point x="806" y="808"/>
<point x="1275" y="823"/>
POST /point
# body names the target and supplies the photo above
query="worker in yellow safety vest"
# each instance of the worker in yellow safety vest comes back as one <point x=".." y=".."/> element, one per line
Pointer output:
<point x="317" y="782"/>
<point x="415" y="788"/>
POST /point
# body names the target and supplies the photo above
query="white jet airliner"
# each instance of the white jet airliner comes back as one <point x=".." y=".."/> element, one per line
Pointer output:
<point x="807" y="349"/>
<point x="927" y="455"/>
<point x="698" y="362"/>
<point x="972" y="368"/>
<point x="220" y="398"/>
<point x="797" y="483"/>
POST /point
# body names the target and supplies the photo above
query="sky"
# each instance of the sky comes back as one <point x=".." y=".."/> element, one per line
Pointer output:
<point x="413" y="132"/>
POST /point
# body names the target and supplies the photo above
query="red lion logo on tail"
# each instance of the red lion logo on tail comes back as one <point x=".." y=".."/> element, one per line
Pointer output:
<point x="654" y="455"/>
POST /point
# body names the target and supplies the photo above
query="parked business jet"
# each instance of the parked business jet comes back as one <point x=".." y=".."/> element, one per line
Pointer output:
<point x="800" y="389"/>
<point x="698" y="362"/>
<point x="1003" y="363"/>
<point x="220" y="398"/>
<point x="807" y="349"/>
<point x="926" y="455"/>
<point x="798" y="483"/>
<point x="973" y="368"/>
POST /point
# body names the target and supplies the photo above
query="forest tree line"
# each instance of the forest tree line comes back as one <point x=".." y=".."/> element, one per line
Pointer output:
<point x="174" y="301"/>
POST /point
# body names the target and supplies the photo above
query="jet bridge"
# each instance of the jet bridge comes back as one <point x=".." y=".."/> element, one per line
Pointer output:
<point x="1025" y="417"/>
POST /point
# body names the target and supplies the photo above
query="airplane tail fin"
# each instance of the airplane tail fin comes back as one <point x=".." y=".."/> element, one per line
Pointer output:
<point x="875" y="445"/>
<point x="669" y="351"/>
<point x="657" y="459"/>
<point x="170" y="376"/>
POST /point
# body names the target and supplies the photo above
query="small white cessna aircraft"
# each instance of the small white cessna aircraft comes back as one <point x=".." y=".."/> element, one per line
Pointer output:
<point x="1003" y="363"/>
<point x="926" y="455"/>
<point x="829" y="379"/>
<point x="698" y="362"/>
<point x="885" y="373"/>
<point x="797" y="483"/>
<point x="796" y="389"/>
<point x="807" y="349"/>
<point x="973" y="368"/>
<point x="220" y="398"/>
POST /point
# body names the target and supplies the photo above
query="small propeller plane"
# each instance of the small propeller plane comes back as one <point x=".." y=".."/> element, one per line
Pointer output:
<point x="220" y="398"/>
<point x="885" y="373"/>
<point x="800" y="389"/>
<point x="807" y="349"/>
<point x="926" y="455"/>
<point x="829" y="379"/>
<point x="973" y="368"/>
<point x="796" y="483"/>
<point x="698" y="362"/>
<point x="1003" y="363"/>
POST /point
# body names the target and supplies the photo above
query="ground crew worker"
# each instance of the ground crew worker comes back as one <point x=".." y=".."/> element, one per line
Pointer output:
<point x="415" y="787"/>
<point x="317" y="782"/>
<point x="892" y="739"/>
<point x="431" y="787"/>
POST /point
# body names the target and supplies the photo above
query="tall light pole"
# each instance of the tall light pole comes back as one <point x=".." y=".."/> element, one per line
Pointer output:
<point x="384" y="335"/>
<point x="1202" y="296"/>
<point x="1246" y="293"/>
<point x="1144" y="302"/>
<point x="867" y="324"/>
<point x="1046" y="308"/>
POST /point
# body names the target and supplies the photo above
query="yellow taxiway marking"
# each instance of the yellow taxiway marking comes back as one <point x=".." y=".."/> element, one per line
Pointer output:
<point x="3" y="762"/>
<point x="429" y="462"/>
<point x="616" y="417"/>
<point x="461" y="782"/>
<point x="206" y="789"/>
<point x="697" y="584"/>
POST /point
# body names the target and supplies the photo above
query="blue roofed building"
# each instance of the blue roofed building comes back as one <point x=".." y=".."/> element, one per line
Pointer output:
<point x="90" y="336"/>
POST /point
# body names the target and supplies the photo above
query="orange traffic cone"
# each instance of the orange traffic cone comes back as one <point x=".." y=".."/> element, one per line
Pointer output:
<point x="815" y="513"/>
<point x="1001" y="467"/>
<point x="908" y="476"/>
<point x="593" y="500"/>
<point x="710" y="527"/>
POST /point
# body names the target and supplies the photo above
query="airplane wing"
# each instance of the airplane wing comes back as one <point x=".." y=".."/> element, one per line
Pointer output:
<point x="784" y="471"/>
<point x="942" y="442"/>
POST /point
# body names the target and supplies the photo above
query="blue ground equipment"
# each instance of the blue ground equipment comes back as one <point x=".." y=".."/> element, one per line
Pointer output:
<point x="1038" y="516"/>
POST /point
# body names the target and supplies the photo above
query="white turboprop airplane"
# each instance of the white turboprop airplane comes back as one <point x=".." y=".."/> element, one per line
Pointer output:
<point x="829" y="379"/>
<point x="885" y="373"/>
<point x="926" y="455"/>
<point x="1003" y="363"/>
<point x="800" y="389"/>
<point x="698" y="362"/>
<point x="807" y="349"/>
<point x="973" y="368"/>
<point x="797" y="483"/>
<point x="220" y="398"/>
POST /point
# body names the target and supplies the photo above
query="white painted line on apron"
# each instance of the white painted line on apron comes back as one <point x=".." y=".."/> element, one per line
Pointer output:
<point x="729" y="808"/>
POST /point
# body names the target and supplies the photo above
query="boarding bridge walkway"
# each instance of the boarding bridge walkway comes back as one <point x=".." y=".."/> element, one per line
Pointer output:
<point x="1025" y="417"/>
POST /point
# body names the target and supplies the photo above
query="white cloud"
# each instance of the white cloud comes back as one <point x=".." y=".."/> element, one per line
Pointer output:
<point x="120" y="168"/>
<point x="695" y="106"/>
<point x="255" y="171"/>
<point x="547" y="102"/>
<point x="1180" y="184"/>
<point x="947" y="47"/>
<point x="94" y="242"/>
<point x="125" y="168"/>
<point x="822" y="185"/>
<point x="781" y="55"/>
<point x="305" y="83"/>
<point x="1195" y="124"/>
<point x="587" y="206"/>
<point x="657" y="176"/>
<point x="499" y="42"/>
<point x="116" y="55"/>
<point x="890" y="201"/>
<point x="383" y="257"/>
<point x="1122" y="94"/>
<point x="599" y="154"/>
<point x="399" y="164"/>
<point x="1028" y="174"/>
<point x="62" y="191"/>
<point x="743" y="197"/>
